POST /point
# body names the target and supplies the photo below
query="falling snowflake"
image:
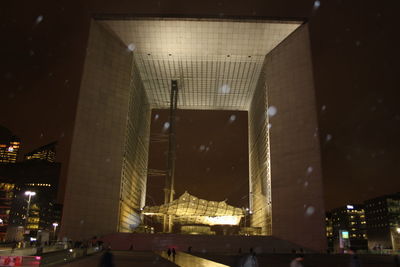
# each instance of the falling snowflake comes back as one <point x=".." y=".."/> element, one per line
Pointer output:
<point x="224" y="89"/>
<point x="166" y="126"/>
<point x="39" y="19"/>
<point x="328" y="137"/>
<point x="232" y="118"/>
<point x="272" y="110"/>
<point x="309" y="169"/>
<point x="310" y="210"/>
<point x="131" y="47"/>
<point x="317" y="4"/>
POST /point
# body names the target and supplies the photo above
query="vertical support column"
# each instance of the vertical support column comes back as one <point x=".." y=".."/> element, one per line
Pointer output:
<point x="285" y="175"/>
<point x="170" y="177"/>
<point x="93" y="184"/>
<point x="134" y="169"/>
<point x="259" y="159"/>
<point x="298" y="213"/>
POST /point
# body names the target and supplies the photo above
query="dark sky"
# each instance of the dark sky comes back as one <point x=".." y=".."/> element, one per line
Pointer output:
<point x="211" y="155"/>
<point x="355" y="57"/>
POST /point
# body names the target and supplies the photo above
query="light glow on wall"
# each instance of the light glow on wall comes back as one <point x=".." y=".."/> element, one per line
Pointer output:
<point x="223" y="220"/>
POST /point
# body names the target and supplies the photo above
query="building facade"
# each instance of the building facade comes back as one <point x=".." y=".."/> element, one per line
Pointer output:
<point x="9" y="146"/>
<point x="348" y="219"/>
<point x="46" y="153"/>
<point x="383" y="222"/>
<point x="6" y="200"/>
<point x="127" y="73"/>
<point x="40" y="177"/>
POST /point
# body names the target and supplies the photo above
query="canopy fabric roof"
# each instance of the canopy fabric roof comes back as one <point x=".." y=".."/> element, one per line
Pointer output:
<point x="188" y="209"/>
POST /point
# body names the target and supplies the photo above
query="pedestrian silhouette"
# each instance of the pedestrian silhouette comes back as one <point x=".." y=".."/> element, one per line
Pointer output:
<point x="173" y="253"/>
<point x="397" y="260"/>
<point x="169" y="252"/>
<point x="249" y="260"/>
<point x="297" y="261"/>
<point x="107" y="259"/>
<point x="354" y="260"/>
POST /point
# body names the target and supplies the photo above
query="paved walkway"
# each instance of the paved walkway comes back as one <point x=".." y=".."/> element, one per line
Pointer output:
<point x="125" y="259"/>
<point x="186" y="260"/>
<point x="310" y="260"/>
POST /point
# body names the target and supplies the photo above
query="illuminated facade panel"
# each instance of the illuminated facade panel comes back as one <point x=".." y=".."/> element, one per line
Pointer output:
<point x="217" y="62"/>
<point x="298" y="212"/>
<point x="9" y="151"/>
<point x="134" y="168"/>
<point x="259" y="159"/>
<point x="97" y="173"/>
<point x="47" y="153"/>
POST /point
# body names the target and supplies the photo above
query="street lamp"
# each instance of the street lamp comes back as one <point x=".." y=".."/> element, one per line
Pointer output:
<point x="30" y="194"/>
<point x="55" y="224"/>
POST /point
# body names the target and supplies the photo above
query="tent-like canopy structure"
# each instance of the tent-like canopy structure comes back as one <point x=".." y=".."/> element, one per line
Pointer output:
<point x="188" y="209"/>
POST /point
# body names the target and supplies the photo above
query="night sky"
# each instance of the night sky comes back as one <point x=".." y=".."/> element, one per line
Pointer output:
<point x="355" y="57"/>
<point x="211" y="156"/>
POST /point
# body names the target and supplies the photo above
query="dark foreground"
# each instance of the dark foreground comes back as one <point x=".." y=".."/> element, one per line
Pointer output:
<point x="125" y="259"/>
<point x="310" y="260"/>
<point x="147" y="259"/>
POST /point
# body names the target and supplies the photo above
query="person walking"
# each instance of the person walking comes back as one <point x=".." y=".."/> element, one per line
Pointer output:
<point x="249" y="260"/>
<point x="107" y="259"/>
<point x="173" y="254"/>
<point x="169" y="252"/>
<point x="297" y="261"/>
<point x="396" y="260"/>
<point x="354" y="260"/>
<point x="14" y="246"/>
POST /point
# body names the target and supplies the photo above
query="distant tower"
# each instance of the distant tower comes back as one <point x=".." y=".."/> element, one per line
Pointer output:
<point x="9" y="146"/>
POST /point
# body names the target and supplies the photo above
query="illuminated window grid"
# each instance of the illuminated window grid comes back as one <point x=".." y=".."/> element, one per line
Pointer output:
<point x="200" y="80"/>
<point x="260" y="183"/>
<point x="203" y="54"/>
<point x="134" y="170"/>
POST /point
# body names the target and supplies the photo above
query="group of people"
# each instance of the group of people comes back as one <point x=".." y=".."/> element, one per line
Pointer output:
<point x="171" y="252"/>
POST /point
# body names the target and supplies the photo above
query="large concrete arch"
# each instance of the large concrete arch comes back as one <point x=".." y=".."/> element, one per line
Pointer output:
<point x="220" y="64"/>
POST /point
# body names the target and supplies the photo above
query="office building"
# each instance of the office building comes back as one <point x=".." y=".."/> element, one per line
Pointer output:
<point x="6" y="199"/>
<point x="46" y="152"/>
<point x="383" y="222"/>
<point x="40" y="177"/>
<point x="348" y="225"/>
<point x="9" y="146"/>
